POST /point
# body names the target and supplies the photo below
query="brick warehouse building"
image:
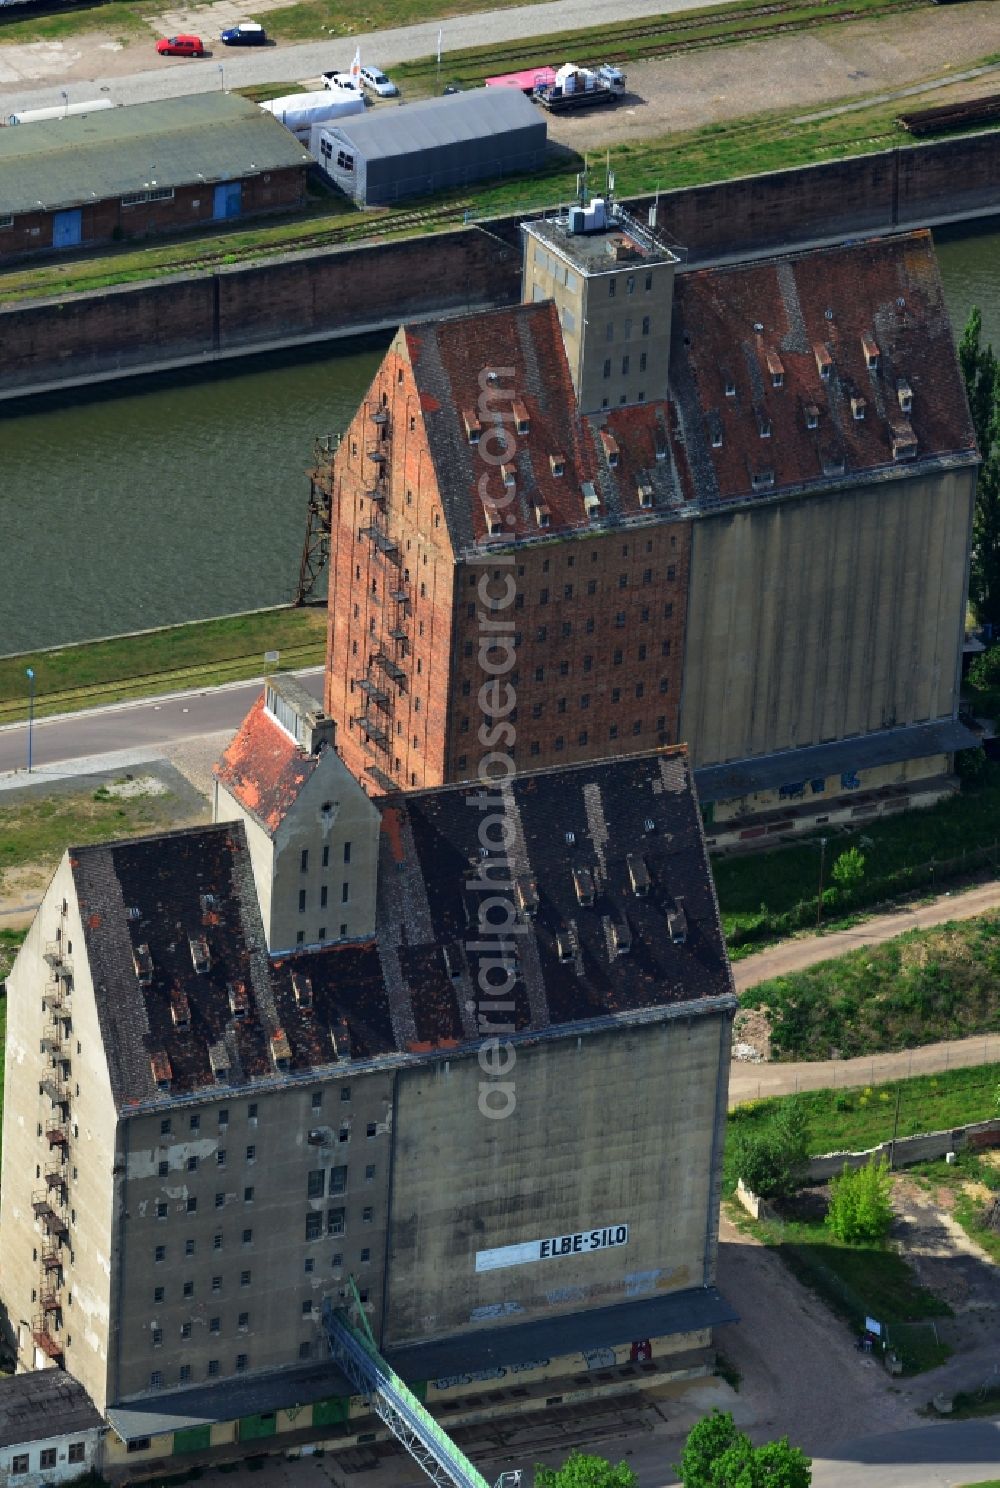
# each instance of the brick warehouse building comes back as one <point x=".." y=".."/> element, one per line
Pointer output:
<point x="203" y="1139"/>
<point x="146" y="169"/>
<point x="759" y="546"/>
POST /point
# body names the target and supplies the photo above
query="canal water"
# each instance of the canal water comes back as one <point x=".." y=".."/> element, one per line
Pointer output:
<point x="182" y="496"/>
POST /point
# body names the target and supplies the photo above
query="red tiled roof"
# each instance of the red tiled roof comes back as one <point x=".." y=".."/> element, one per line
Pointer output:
<point x="766" y="327"/>
<point x="525" y="347"/>
<point x="264" y="768"/>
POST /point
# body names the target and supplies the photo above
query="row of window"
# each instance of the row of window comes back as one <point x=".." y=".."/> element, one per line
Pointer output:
<point x="570" y="560"/>
<point x="213" y="1369"/>
<point x="191" y="1205"/>
<point x="300" y="935"/>
<point x="304" y="858"/>
<point x="626" y="364"/>
<point x="214" y="1326"/>
<point x="316" y="1179"/>
<point x="609" y="332"/>
<point x="565" y="666"/>
<point x="47" y="1459"/>
<point x="334" y="1222"/>
<point x="345" y="897"/>
<point x="622" y="620"/>
<point x="629" y="285"/>
<point x="542" y="597"/>
<point x="160" y="1292"/>
<point x="222" y="1116"/>
<point x="160" y="1251"/>
<point x="583" y="738"/>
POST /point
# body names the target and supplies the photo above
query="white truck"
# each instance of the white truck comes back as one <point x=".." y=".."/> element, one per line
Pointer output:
<point x="581" y="87"/>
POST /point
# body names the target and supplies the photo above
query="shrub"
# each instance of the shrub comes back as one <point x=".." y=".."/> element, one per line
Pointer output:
<point x="773" y="1160"/>
<point x="849" y="869"/>
<point x="861" y="1203"/>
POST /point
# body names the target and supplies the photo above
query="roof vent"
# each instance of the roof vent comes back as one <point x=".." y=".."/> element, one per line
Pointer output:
<point x="526" y="894"/>
<point x="905" y="394"/>
<point x="200" y="958"/>
<point x="904" y="441"/>
<point x="143" y="962"/>
<point x="162" y="1071"/>
<point x="219" y="1061"/>
<point x="522" y="423"/>
<point x="776" y="369"/>
<point x="303" y="989"/>
<point x="870" y="350"/>
<point x="583" y="883"/>
<point x="762" y="480"/>
<point x="638" y="874"/>
<point x="610" y="444"/>
<point x="239" y="1003"/>
<point x="133" y="913"/>
<point x="591" y="500"/>
<point x="729" y="383"/>
<point x="649" y="826"/>
<point x="832" y="461"/>
<point x="621" y="937"/>
<point x="542" y="514"/>
<point x="180" y="1010"/>
<point x="473" y="428"/>
<point x="207" y="902"/>
<point x="715" y="429"/>
<point x="677" y="924"/>
<point x="763" y="424"/>
<point x="661" y="444"/>
<point x="570" y="838"/>
<point x="281" y="1049"/>
<point x="824" y="361"/>
<point x="494" y="521"/>
<point x="828" y="314"/>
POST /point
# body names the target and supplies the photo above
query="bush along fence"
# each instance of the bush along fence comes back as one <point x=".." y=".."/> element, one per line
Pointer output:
<point x="839" y="901"/>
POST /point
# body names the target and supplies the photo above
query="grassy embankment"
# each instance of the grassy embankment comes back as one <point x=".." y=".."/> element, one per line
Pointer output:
<point x="860" y="1280"/>
<point x="765" y="896"/>
<point x="771" y="141"/>
<point x="920" y="988"/>
<point x="203" y="653"/>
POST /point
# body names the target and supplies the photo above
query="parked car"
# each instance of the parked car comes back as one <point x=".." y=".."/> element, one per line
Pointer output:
<point x="342" y="80"/>
<point x="246" y="33"/>
<point x="181" y="46"/>
<point x="450" y="88"/>
<point x="375" y="80"/>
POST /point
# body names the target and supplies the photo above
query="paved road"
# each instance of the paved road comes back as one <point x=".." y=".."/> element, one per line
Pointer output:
<point x="751" y="1081"/>
<point x="145" y="729"/>
<point x="937" y="1456"/>
<point x="172" y="77"/>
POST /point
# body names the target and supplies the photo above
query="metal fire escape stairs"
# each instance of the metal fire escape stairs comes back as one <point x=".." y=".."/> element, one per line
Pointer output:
<point x="50" y="1204"/>
<point x="316" y="548"/>
<point x="355" y="1352"/>
<point x="384" y="679"/>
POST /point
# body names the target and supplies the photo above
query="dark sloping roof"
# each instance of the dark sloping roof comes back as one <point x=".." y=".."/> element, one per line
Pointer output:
<point x="478" y="113"/>
<point x="228" y="1400"/>
<point x="765" y="329"/>
<point x="46" y="1403"/>
<point x="524" y="346"/>
<point x="90" y="157"/>
<point x="189" y="1001"/>
<point x="264" y="768"/>
<point x="793" y="767"/>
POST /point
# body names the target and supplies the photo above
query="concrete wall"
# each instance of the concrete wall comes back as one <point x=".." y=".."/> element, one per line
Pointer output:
<point x="907" y="1150"/>
<point x="817" y="618"/>
<point x="331" y="291"/>
<point x="609" y="1129"/>
<point x="264" y="1190"/>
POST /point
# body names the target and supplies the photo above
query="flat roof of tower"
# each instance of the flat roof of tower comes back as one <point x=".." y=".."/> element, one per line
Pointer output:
<point x="624" y="241"/>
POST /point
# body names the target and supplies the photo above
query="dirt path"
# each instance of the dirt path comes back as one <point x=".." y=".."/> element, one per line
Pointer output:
<point x="797" y="955"/>
<point x="804" y="70"/>
<point x="752" y="1081"/>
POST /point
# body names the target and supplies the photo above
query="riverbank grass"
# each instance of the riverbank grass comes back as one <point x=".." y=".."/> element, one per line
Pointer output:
<point x="204" y="653"/>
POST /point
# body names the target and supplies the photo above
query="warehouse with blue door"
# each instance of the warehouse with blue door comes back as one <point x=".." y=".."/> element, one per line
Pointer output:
<point x="414" y="149"/>
<point x="150" y="168"/>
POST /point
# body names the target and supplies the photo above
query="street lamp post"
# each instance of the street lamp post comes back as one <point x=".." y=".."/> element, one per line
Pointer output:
<point x="819" y="897"/>
<point x="31" y="708"/>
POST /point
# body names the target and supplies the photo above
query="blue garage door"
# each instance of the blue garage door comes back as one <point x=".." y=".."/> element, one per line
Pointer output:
<point x="67" y="228"/>
<point x="228" y="200"/>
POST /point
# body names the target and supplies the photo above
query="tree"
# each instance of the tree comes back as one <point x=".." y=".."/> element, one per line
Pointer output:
<point x="861" y="1203"/>
<point x="582" y="1471"/>
<point x="849" y="869"/>
<point x="981" y="371"/>
<point x="716" y="1455"/>
<point x="773" y="1160"/>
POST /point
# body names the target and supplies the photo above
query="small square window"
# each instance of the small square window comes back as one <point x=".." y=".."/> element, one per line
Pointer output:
<point x="157" y="1336"/>
<point x="241" y="1363"/>
<point x="76" y="1452"/>
<point x="160" y="1253"/>
<point x="165" y="1127"/>
<point x="371" y="1130"/>
<point x="185" y="1330"/>
<point x="244" y="1278"/>
<point x="248" y="1194"/>
<point x="317" y="1100"/>
<point x="252" y="1111"/>
<point x="215" y="1325"/>
<point x="157" y="1294"/>
<point x="164" y="1169"/>
<point x="248" y="1237"/>
<point x="307" y="1308"/>
<point x="220" y="1157"/>
<point x="305" y="1350"/>
<point x="243" y="1321"/>
<point x="192" y="1205"/>
<point x="367" y="1214"/>
<point x="217" y="1240"/>
<point x="366" y="1255"/>
<point x="369" y="1172"/>
<point x="188" y="1289"/>
<point x="195" y="1126"/>
<point x="220" y="1200"/>
<point x="309" y="1265"/>
<point x="216" y="1283"/>
<point x="213" y="1368"/>
<point x="223" y="1116"/>
<point x="19" y="1464"/>
<point x="251" y="1153"/>
<point x="155" y="1380"/>
<point x="189" y="1247"/>
<point x="184" y="1373"/>
<point x="161" y="1209"/>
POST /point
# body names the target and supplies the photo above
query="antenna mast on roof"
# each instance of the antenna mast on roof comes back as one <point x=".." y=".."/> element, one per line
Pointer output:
<point x="581" y="184"/>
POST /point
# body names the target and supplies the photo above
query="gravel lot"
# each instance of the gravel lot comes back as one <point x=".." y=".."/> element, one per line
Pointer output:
<point x="807" y="69"/>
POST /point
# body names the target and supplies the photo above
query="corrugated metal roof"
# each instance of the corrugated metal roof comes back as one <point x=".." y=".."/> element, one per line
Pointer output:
<point x="411" y="127"/>
<point x="90" y="157"/>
